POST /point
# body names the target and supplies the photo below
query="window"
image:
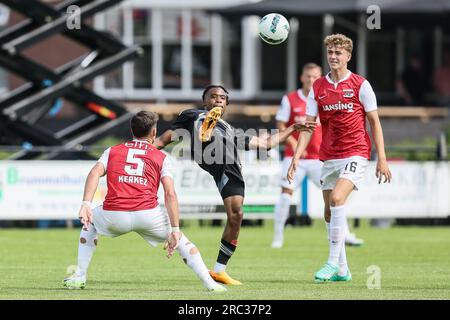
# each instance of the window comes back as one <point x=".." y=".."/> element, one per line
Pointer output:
<point x="3" y="82"/>
<point x="114" y="79"/>
<point x="201" y="49"/>
<point x="143" y="69"/>
<point x="309" y="44"/>
<point x="172" y="27"/>
<point x="142" y="36"/>
<point x="231" y="64"/>
<point x="419" y="44"/>
<point x="114" y="24"/>
<point x="390" y="52"/>
<point x="381" y="58"/>
<point x="5" y="20"/>
<point x="273" y="66"/>
<point x="190" y="50"/>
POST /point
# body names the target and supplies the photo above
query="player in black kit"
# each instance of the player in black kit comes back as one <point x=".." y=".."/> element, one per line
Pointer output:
<point x="214" y="145"/>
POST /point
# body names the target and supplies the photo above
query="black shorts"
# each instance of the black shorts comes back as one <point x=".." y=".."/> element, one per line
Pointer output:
<point x="234" y="187"/>
<point x="230" y="183"/>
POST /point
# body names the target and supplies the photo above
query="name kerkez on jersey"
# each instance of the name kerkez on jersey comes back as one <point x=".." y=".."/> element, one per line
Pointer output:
<point x="134" y="173"/>
<point x="131" y="179"/>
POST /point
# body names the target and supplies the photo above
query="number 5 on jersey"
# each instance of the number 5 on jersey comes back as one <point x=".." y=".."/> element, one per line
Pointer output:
<point x="138" y="162"/>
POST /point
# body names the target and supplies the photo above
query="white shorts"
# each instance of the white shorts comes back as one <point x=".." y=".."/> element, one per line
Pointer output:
<point x="306" y="167"/>
<point x="153" y="225"/>
<point x="351" y="168"/>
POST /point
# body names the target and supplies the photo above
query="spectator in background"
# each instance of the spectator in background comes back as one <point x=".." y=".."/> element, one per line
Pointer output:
<point x="412" y="84"/>
<point x="441" y="81"/>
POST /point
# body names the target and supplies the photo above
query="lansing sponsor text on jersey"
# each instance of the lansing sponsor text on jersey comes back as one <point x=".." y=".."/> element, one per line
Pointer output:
<point x="339" y="106"/>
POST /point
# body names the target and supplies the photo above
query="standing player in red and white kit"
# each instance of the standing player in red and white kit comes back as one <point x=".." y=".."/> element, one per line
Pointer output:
<point x="134" y="171"/>
<point x="342" y="100"/>
<point x="293" y="110"/>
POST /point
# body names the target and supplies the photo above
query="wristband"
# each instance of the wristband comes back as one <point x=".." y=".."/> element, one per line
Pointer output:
<point x="175" y="229"/>
<point x="87" y="203"/>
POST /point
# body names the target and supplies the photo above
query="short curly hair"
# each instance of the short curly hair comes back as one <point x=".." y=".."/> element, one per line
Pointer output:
<point x="212" y="86"/>
<point x="339" y="40"/>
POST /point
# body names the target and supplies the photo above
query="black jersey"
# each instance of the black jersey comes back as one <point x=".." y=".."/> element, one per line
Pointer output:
<point x="219" y="156"/>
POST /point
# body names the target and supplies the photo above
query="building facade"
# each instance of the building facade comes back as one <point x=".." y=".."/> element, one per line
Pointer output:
<point x="188" y="46"/>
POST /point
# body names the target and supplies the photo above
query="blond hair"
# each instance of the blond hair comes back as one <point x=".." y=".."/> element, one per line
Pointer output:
<point x="339" y="40"/>
<point x="311" y="65"/>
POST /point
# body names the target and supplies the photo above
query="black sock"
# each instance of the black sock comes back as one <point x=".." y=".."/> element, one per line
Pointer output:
<point x="225" y="252"/>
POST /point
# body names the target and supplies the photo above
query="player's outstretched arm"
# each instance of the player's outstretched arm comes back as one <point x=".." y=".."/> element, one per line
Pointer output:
<point x="171" y="203"/>
<point x="303" y="141"/>
<point x="85" y="213"/>
<point x="280" y="137"/>
<point x="290" y="140"/>
<point x="164" y="139"/>
<point x="377" y="133"/>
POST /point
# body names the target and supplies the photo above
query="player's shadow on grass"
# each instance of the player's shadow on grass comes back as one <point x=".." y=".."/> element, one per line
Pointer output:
<point x="106" y="288"/>
<point x="166" y="286"/>
<point x="280" y="281"/>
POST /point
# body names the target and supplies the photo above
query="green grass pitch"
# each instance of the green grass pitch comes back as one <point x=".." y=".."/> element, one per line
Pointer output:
<point x="414" y="264"/>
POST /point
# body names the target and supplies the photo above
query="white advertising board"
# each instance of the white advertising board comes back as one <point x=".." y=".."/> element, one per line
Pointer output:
<point x="54" y="190"/>
<point x="417" y="190"/>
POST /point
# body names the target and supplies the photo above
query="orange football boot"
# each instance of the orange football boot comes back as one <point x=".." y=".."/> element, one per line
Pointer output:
<point x="224" y="278"/>
<point x="209" y="123"/>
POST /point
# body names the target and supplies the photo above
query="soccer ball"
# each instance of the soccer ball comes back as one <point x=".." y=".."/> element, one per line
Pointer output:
<point x="273" y="28"/>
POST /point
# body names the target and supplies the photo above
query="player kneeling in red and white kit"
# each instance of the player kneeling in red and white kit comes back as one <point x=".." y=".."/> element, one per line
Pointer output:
<point x="342" y="100"/>
<point x="134" y="170"/>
